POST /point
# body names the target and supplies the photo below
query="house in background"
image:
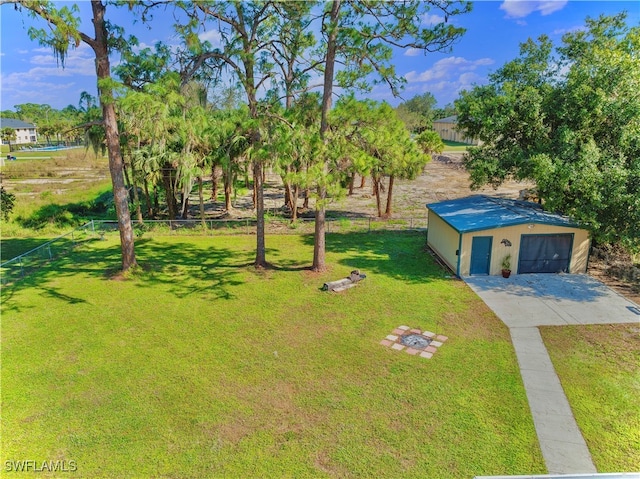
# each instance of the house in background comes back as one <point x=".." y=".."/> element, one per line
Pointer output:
<point x="447" y="128"/>
<point x="473" y="235"/>
<point x="25" y="132"/>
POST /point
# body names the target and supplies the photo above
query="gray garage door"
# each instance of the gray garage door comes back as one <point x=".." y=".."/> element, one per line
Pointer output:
<point x="545" y="253"/>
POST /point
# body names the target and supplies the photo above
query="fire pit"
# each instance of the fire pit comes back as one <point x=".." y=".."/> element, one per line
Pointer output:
<point x="416" y="341"/>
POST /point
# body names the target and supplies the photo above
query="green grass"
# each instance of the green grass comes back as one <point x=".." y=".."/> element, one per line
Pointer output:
<point x="454" y="146"/>
<point x="598" y="366"/>
<point x="197" y="365"/>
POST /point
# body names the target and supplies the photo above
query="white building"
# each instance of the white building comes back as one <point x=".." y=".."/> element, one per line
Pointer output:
<point x="25" y="132"/>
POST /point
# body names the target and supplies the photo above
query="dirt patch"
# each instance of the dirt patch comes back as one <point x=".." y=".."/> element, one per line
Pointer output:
<point x="616" y="269"/>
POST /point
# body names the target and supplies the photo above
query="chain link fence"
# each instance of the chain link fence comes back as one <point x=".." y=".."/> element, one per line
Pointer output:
<point x="26" y="263"/>
<point x="32" y="260"/>
<point x="247" y="226"/>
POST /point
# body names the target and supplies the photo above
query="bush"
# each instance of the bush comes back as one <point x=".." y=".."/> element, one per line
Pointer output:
<point x="7" y="202"/>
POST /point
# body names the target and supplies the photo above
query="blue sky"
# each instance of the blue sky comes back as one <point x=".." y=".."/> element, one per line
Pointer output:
<point x="29" y="73"/>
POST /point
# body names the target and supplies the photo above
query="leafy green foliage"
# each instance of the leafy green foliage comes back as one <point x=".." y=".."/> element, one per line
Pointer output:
<point x="368" y="138"/>
<point x="569" y="120"/>
<point x="430" y="142"/>
<point x="7" y="202"/>
<point x="418" y="112"/>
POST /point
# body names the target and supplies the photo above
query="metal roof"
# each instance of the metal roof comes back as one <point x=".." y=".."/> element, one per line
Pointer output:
<point x="480" y="212"/>
<point x="449" y="119"/>
<point x="15" y="124"/>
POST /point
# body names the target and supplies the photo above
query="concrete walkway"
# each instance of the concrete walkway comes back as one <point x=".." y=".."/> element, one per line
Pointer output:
<point x="524" y="302"/>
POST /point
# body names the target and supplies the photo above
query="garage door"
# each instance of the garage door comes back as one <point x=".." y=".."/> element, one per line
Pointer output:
<point x="545" y="253"/>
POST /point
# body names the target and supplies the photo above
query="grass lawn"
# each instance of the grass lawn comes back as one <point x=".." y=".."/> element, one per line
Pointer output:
<point x="598" y="366"/>
<point x="197" y="365"/>
<point x="455" y="146"/>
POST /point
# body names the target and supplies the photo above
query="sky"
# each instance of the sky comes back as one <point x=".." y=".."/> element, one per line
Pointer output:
<point x="29" y="73"/>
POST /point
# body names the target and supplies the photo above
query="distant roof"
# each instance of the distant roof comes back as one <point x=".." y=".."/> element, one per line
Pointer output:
<point x="11" y="123"/>
<point x="449" y="119"/>
<point x="480" y="212"/>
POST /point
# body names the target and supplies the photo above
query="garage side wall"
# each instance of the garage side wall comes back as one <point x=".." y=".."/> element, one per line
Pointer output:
<point x="443" y="239"/>
<point x="579" y="255"/>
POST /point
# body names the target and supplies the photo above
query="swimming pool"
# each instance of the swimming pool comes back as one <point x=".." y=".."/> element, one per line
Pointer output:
<point x="52" y="148"/>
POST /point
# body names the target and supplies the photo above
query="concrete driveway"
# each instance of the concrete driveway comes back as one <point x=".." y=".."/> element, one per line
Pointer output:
<point x="528" y="300"/>
<point x="524" y="302"/>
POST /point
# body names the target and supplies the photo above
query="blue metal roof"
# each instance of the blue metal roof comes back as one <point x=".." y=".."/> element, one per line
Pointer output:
<point x="480" y="212"/>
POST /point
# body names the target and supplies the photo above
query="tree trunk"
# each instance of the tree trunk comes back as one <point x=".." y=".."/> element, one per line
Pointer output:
<point x="116" y="165"/>
<point x="227" y="178"/>
<point x="147" y="196"/>
<point x="376" y="191"/>
<point x="261" y="260"/>
<point x="214" y="183"/>
<point x="184" y="213"/>
<point x="305" y="203"/>
<point x="330" y="60"/>
<point x="156" y="201"/>
<point x="287" y="191"/>
<point x="388" y="211"/>
<point x="168" y="186"/>
<point x="127" y="180"/>
<point x="352" y="180"/>
<point x="363" y="181"/>
<point x="136" y="197"/>
<point x="201" y="199"/>
<point x="254" y="194"/>
<point x="294" y="200"/>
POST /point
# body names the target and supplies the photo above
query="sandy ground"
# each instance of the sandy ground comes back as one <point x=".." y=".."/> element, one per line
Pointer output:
<point x="442" y="179"/>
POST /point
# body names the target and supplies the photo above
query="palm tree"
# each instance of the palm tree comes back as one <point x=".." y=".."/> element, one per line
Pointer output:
<point x="8" y="134"/>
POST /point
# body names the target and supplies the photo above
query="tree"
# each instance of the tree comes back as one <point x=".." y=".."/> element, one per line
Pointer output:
<point x="570" y="122"/>
<point x="418" y="112"/>
<point x="8" y="134"/>
<point x="448" y="110"/>
<point x="371" y="137"/>
<point x="360" y="36"/>
<point x="247" y="28"/>
<point x="7" y="202"/>
<point x="64" y="31"/>
<point x="430" y="142"/>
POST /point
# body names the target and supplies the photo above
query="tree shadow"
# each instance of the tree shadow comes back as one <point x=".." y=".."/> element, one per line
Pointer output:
<point x="184" y="268"/>
<point x="187" y="269"/>
<point x="571" y="287"/>
<point x="398" y="254"/>
<point x="55" y="294"/>
<point x="12" y="247"/>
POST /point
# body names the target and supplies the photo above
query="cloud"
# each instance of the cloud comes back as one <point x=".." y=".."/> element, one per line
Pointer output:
<point x="445" y="79"/>
<point x="432" y="19"/>
<point x="447" y="68"/>
<point x="78" y="61"/>
<point x="412" y="52"/>
<point x="562" y="31"/>
<point x="523" y="8"/>
<point x="211" y="36"/>
<point x="46" y="82"/>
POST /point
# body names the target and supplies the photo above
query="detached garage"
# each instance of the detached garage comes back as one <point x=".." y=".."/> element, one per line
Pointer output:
<point x="473" y="235"/>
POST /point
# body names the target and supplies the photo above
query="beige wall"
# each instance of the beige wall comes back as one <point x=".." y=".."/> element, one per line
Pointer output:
<point x="443" y="239"/>
<point x="579" y="253"/>
<point x="448" y="131"/>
